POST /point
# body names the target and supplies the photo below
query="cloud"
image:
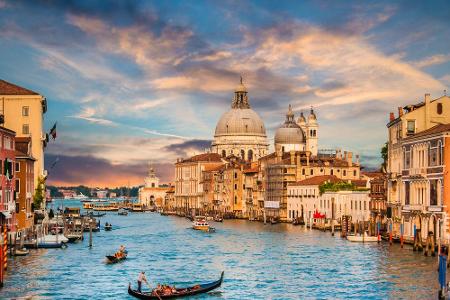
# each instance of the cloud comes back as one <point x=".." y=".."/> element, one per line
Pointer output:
<point x="98" y="172"/>
<point x="432" y="60"/>
<point x="189" y="148"/>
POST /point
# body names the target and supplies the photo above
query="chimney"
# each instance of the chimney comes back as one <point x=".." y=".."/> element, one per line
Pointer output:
<point x="427" y="99"/>
<point x="349" y="158"/>
<point x="391" y="117"/>
<point x="400" y="111"/>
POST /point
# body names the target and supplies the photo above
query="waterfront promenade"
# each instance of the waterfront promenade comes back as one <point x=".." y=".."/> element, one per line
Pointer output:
<point x="260" y="262"/>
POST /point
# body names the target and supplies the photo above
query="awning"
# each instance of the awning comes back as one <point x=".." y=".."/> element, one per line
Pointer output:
<point x="6" y="214"/>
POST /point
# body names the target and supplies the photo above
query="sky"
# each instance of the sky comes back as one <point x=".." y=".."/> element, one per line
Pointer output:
<point x="133" y="82"/>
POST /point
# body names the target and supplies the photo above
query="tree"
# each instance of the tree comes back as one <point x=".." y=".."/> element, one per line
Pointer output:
<point x="384" y="156"/>
<point x="39" y="194"/>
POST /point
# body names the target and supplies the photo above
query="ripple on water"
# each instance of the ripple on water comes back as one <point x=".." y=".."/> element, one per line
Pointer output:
<point x="260" y="262"/>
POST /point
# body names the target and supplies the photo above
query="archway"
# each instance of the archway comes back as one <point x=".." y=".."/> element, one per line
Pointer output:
<point x="250" y="155"/>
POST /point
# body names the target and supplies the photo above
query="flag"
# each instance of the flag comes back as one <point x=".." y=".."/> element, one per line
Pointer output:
<point x="53" y="131"/>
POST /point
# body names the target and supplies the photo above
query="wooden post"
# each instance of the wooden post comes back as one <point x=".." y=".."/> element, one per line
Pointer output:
<point x="401" y="234"/>
<point x="90" y="234"/>
<point x="332" y="227"/>
<point x="5" y="247"/>
<point x="1" y="260"/>
<point x="390" y="232"/>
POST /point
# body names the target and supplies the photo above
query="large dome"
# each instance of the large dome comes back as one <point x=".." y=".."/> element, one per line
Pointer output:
<point x="290" y="132"/>
<point x="240" y="121"/>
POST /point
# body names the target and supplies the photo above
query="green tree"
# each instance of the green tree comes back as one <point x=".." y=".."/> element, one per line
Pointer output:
<point x="39" y="193"/>
<point x="384" y="156"/>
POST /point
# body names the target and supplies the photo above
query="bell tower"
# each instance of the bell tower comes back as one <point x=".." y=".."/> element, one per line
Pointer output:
<point x="312" y="130"/>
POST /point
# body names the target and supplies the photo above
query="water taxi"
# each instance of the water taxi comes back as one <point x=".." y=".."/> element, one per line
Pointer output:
<point x="200" y="223"/>
<point x="137" y="207"/>
<point x="88" y="205"/>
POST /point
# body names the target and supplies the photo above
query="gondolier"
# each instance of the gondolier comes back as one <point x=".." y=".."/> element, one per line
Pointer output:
<point x="141" y="278"/>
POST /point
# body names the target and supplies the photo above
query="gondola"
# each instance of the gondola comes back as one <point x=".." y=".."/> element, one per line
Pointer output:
<point x="112" y="259"/>
<point x="181" y="292"/>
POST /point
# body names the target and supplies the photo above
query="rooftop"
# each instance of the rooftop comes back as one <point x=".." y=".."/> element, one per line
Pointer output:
<point x="7" y="88"/>
<point x="317" y="180"/>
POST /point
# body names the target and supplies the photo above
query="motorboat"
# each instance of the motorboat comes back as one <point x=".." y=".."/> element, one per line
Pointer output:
<point x="108" y="226"/>
<point x="122" y="212"/>
<point x="21" y="252"/>
<point x="200" y="223"/>
<point x="52" y="241"/>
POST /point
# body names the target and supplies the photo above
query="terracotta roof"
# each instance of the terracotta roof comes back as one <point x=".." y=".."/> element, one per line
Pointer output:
<point x="210" y="168"/>
<point x="255" y="169"/>
<point x="433" y="130"/>
<point x="374" y="174"/>
<point x="317" y="180"/>
<point x="7" y="88"/>
<point x="205" y="157"/>
<point x="360" y="182"/>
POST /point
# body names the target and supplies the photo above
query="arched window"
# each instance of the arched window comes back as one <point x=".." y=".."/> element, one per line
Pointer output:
<point x="439" y="108"/>
<point x="282" y="149"/>
<point x="250" y="155"/>
<point x="242" y="154"/>
<point x="224" y="153"/>
<point x="246" y="128"/>
<point x="227" y="128"/>
<point x="439" y="153"/>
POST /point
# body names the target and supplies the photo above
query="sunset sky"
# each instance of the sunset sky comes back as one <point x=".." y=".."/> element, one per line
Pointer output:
<point x="134" y="81"/>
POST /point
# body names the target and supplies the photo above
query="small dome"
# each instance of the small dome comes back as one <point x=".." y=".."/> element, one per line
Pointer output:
<point x="290" y="132"/>
<point x="241" y="88"/>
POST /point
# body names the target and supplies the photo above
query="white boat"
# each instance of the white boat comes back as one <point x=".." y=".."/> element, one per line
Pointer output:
<point x="362" y="238"/>
<point x="200" y="223"/>
<point x="53" y="238"/>
<point x="80" y="196"/>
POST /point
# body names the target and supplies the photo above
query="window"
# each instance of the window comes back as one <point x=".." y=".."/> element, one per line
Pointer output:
<point x="25" y="129"/>
<point x="250" y="155"/>
<point x="411" y="127"/>
<point x="331" y="172"/>
<point x="303" y="171"/>
<point x="407" y="193"/>
<point x="312" y="172"/>
<point x="354" y="172"/>
<point x="235" y="199"/>
<point x="25" y="111"/>
<point x="224" y="153"/>
<point x="17" y="167"/>
<point x="433" y="192"/>
<point x="235" y="186"/>
<point x="439" y="108"/>
<point x="17" y="185"/>
<point x="344" y="173"/>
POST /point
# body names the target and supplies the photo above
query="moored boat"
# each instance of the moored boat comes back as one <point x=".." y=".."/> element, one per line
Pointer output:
<point x="179" y="292"/>
<point x="122" y="212"/>
<point x="362" y="238"/>
<point x="21" y="252"/>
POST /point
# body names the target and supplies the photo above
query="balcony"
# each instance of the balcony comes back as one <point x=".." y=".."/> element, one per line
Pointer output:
<point x="414" y="207"/>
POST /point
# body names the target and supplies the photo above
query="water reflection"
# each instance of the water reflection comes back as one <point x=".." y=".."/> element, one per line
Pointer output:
<point x="260" y="262"/>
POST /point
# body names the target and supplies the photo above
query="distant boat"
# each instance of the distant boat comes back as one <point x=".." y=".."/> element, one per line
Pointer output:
<point x="108" y="226"/>
<point x="81" y="196"/>
<point x="112" y="259"/>
<point x="52" y="241"/>
<point x="122" y="212"/>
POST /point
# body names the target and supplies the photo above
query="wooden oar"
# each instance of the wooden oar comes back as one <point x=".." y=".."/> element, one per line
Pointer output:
<point x="156" y="293"/>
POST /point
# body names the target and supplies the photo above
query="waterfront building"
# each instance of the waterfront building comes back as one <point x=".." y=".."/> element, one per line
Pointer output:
<point x="189" y="191"/>
<point x="152" y="194"/>
<point x="312" y="196"/>
<point x="169" y="199"/>
<point x="100" y="194"/>
<point x="378" y="200"/>
<point x="24" y="184"/>
<point x="8" y="182"/>
<point x="253" y="192"/>
<point x="416" y="168"/>
<point x="23" y="111"/>
<point x="240" y="131"/>
<point x="282" y="169"/>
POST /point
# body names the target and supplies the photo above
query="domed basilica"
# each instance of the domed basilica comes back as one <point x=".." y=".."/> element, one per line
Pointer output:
<point x="241" y="132"/>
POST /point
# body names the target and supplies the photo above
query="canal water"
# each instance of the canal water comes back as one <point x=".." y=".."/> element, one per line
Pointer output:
<point x="260" y="262"/>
